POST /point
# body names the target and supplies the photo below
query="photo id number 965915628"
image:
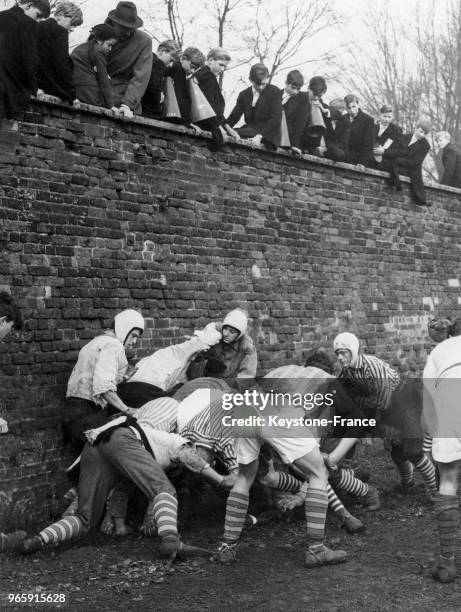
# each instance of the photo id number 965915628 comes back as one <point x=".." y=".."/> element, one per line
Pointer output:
<point x="35" y="598"/>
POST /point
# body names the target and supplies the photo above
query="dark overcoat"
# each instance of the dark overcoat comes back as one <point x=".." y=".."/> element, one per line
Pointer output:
<point x="18" y="61"/>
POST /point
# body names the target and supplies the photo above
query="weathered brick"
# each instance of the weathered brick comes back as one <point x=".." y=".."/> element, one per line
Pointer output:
<point x="137" y="216"/>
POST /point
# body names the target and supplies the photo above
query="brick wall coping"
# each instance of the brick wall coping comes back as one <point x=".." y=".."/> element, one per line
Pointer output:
<point x="171" y="127"/>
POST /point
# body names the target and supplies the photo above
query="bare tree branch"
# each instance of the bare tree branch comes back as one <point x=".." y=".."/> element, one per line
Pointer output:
<point x="277" y="38"/>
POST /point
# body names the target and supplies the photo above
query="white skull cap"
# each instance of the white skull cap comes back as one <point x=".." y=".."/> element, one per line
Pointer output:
<point x="126" y="321"/>
<point x="347" y="341"/>
<point x="238" y="319"/>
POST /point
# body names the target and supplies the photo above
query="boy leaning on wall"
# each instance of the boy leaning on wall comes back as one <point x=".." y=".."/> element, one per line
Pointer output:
<point x="10" y="318"/>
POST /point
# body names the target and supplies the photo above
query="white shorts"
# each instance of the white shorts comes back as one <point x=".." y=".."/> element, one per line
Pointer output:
<point x="445" y="420"/>
<point x="289" y="449"/>
<point x="446" y="450"/>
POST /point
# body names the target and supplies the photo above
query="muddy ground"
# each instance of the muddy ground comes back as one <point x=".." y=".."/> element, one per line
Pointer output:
<point x="388" y="568"/>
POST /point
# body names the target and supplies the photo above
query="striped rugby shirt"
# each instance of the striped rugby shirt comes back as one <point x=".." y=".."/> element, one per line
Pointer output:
<point x="372" y="382"/>
<point x="206" y="429"/>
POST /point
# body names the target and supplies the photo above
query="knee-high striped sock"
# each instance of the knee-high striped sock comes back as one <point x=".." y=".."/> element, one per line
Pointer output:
<point x="349" y="483"/>
<point x="406" y="473"/>
<point x="427" y="443"/>
<point x="165" y="508"/>
<point x="427" y="470"/>
<point x="316" y="506"/>
<point x="287" y="483"/>
<point x="236" y="509"/>
<point x="64" y="529"/>
<point x="334" y="501"/>
<point x="447" y="512"/>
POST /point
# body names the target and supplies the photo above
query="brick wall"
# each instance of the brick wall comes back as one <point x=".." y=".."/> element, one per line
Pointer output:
<point x="99" y="214"/>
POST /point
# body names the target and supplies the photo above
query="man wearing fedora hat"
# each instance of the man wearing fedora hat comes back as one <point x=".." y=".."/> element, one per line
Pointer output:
<point x="130" y="61"/>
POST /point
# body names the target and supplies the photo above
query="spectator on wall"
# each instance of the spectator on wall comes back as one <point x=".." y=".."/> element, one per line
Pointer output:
<point x="318" y="118"/>
<point x="451" y="160"/>
<point x="409" y="162"/>
<point x="387" y="137"/>
<point x="207" y="77"/>
<point x="130" y="60"/>
<point x="360" y="146"/>
<point x="296" y="108"/>
<point x="338" y="132"/>
<point x="92" y="83"/>
<point x="152" y="101"/>
<point x="261" y="107"/>
<point x="177" y="105"/>
<point x="18" y="55"/>
<point x="54" y="63"/>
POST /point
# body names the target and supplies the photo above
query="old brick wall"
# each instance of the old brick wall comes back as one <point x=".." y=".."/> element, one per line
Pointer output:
<point x="99" y="214"/>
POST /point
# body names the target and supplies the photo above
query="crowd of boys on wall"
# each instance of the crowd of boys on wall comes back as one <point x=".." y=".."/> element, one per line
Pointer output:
<point x="117" y="69"/>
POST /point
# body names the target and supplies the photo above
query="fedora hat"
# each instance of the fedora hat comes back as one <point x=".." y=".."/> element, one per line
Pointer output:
<point x="126" y="14"/>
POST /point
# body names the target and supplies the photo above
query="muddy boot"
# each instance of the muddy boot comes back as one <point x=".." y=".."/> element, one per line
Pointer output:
<point x="350" y="523"/>
<point x="31" y="545"/>
<point x="444" y="569"/>
<point x="172" y="547"/>
<point x="318" y="554"/>
<point x="107" y="526"/>
<point x="371" y="501"/>
<point x="10" y="541"/>
<point x="227" y="553"/>
<point x="407" y="487"/>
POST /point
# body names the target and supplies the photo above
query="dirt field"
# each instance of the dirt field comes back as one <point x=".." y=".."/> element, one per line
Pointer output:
<point x="388" y="568"/>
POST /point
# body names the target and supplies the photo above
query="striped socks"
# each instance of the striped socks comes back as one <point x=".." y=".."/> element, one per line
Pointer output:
<point x="447" y="512"/>
<point x="406" y="473"/>
<point x="165" y="509"/>
<point x="316" y="506"/>
<point x="427" y="471"/>
<point x="287" y="483"/>
<point x="427" y="443"/>
<point x="334" y="501"/>
<point x="349" y="483"/>
<point x="236" y="509"/>
<point x="64" y="529"/>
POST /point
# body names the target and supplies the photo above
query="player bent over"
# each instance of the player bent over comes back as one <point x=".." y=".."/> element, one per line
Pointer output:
<point x="442" y="417"/>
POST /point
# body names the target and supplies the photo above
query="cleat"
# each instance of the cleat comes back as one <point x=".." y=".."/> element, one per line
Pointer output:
<point x="444" y="569"/>
<point x="107" y="526"/>
<point x="11" y="541"/>
<point x="170" y="548"/>
<point x="31" y="545"/>
<point x="318" y="555"/>
<point x="371" y="501"/>
<point x="407" y="487"/>
<point x="227" y="553"/>
<point x="350" y="523"/>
